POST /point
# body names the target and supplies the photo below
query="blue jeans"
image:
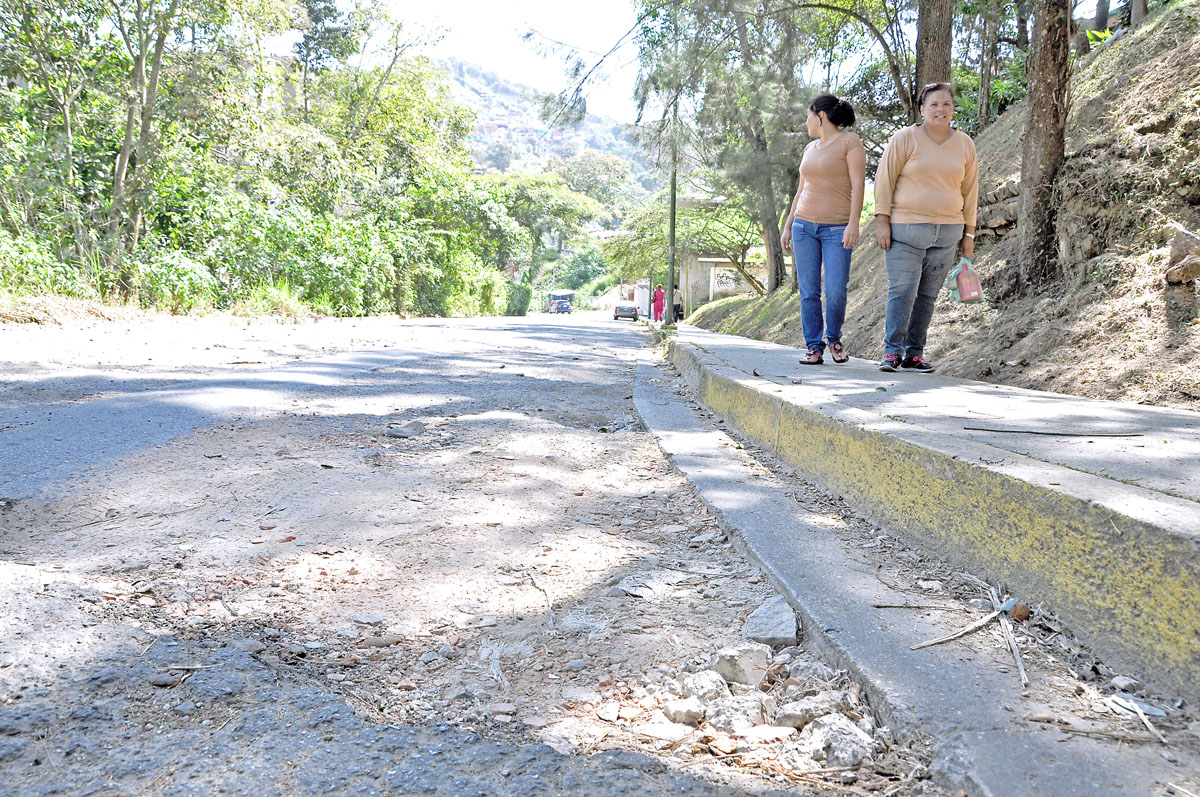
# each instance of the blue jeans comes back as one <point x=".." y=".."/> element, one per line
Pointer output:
<point x="917" y="263"/>
<point x="813" y="246"/>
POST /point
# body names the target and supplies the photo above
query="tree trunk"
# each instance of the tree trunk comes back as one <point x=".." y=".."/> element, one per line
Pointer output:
<point x="1137" y="12"/>
<point x="1023" y="24"/>
<point x="935" y="22"/>
<point x="768" y="209"/>
<point x="987" y="63"/>
<point x="1101" y="20"/>
<point x="1045" y="139"/>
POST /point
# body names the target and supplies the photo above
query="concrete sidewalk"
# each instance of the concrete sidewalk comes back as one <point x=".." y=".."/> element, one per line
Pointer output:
<point x="1033" y="490"/>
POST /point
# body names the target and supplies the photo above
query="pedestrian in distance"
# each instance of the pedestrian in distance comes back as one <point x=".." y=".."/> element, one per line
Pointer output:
<point x="660" y="298"/>
<point x="822" y="227"/>
<point x="676" y="305"/>
<point x="926" y="193"/>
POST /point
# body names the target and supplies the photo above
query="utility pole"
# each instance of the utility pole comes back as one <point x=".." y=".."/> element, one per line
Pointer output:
<point x="670" y="297"/>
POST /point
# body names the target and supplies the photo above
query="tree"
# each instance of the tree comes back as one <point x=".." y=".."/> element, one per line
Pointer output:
<point x="741" y="70"/>
<point x="596" y="174"/>
<point x="329" y="36"/>
<point x="1044" y="146"/>
<point x="549" y="211"/>
<point x="706" y="229"/>
<point x="1137" y="12"/>
<point x="145" y="27"/>
<point x="989" y="46"/>
<point x="935" y="22"/>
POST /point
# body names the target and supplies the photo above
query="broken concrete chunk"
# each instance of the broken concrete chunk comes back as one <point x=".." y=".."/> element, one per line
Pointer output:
<point x="811" y="672"/>
<point x="737" y="715"/>
<point x="799" y="713"/>
<point x="405" y="430"/>
<point x="835" y="741"/>
<point x="742" y="663"/>
<point x="1126" y="684"/>
<point x="705" y="685"/>
<point x="773" y="623"/>
<point x="686" y="711"/>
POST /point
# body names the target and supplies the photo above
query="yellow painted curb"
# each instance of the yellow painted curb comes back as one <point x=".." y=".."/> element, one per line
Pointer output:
<point x="1128" y="587"/>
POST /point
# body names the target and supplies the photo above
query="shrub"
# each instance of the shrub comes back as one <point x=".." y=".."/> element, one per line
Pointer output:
<point x="173" y="280"/>
<point x="519" y="295"/>
<point x="278" y="298"/>
<point x="29" y="266"/>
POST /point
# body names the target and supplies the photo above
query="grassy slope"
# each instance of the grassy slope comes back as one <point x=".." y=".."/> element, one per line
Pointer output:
<point x="1108" y="327"/>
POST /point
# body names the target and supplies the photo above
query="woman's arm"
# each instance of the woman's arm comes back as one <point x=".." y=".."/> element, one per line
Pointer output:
<point x="970" y="192"/>
<point x="785" y="238"/>
<point x="856" y="162"/>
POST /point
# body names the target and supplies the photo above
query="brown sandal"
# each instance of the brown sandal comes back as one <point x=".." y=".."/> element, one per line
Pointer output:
<point x="839" y="352"/>
<point x="814" y="358"/>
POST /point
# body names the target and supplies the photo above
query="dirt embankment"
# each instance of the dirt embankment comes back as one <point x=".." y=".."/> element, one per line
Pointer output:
<point x="1109" y="326"/>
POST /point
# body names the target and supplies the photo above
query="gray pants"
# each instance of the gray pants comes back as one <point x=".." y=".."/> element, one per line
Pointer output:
<point x="917" y="263"/>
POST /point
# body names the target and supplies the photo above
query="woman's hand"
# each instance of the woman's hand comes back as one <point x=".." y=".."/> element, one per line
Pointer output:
<point x="966" y="247"/>
<point x="850" y="235"/>
<point x="785" y="240"/>
<point x="883" y="232"/>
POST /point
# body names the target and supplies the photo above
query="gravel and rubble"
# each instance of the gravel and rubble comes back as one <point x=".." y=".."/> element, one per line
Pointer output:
<point x="1070" y="689"/>
<point x="519" y="586"/>
<point x="451" y="550"/>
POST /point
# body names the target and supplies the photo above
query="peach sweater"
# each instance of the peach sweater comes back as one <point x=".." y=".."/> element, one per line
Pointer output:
<point x="826" y="193"/>
<point x="922" y="182"/>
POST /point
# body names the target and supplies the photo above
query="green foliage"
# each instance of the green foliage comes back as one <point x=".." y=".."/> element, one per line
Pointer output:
<point x="172" y="280"/>
<point x="28" y="266"/>
<point x="255" y="185"/>
<point x="279" y="299"/>
<point x="519" y="295"/>
<point x="602" y="284"/>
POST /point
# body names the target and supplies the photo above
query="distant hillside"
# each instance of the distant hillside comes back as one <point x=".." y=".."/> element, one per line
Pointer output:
<point x="1109" y="326"/>
<point x="510" y="135"/>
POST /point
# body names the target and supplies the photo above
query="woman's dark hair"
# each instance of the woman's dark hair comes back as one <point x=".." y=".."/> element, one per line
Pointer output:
<point x="840" y="112"/>
<point x="930" y="88"/>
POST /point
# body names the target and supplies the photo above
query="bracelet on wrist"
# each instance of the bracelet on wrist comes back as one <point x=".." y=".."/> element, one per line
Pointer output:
<point x="968" y="235"/>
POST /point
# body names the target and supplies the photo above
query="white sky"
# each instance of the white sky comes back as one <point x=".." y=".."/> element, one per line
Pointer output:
<point x="489" y="34"/>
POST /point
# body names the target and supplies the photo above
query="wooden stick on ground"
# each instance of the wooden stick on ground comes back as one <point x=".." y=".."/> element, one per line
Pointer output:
<point x="1009" y="638"/>
<point x="1146" y="721"/>
<point x="975" y="626"/>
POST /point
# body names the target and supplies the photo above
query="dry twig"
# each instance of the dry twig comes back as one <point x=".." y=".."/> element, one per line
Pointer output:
<point x="1010" y="640"/>
<point x="975" y="626"/>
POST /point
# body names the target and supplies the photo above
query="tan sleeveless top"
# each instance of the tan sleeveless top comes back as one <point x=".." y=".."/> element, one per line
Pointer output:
<point x="825" y="197"/>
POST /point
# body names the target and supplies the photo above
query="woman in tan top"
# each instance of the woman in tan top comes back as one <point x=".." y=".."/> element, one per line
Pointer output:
<point x="823" y="223"/>
<point x="926" y="192"/>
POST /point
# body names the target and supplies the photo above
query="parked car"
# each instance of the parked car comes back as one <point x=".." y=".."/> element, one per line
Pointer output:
<point x="560" y="306"/>
<point x="626" y="308"/>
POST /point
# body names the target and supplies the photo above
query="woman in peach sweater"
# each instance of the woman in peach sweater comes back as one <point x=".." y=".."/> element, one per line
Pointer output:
<point x="926" y="193"/>
<point x="822" y="228"/>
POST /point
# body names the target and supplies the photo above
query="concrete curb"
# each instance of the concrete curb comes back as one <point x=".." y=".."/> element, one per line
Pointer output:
<point x="961" y="695"/>
<point x="1118" y="563"/>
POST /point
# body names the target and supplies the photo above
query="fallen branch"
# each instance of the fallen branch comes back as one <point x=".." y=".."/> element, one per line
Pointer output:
<point x="1054" y="434"/>
<point x="1146" y="721"/>
<point x="1006" y="629"/>
<point x="1121" y="737"/>
<point x="975" y="626"/>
